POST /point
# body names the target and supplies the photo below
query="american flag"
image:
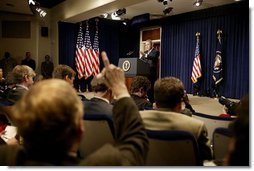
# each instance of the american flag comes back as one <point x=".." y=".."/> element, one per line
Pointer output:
<point x="196" y="69"/>
<point x="97" y="52"/>
<point x="89" y="60"/>
<point x="217" y="68"/>
<point x="80" y="63"/>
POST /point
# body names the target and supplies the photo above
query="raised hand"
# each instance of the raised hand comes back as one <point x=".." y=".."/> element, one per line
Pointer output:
<point x="114" y="77"/>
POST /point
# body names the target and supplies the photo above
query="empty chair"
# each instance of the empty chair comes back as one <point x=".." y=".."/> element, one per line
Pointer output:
<point x="221" y="138"/>
<point x="172" y="148"/>
<point x="99" y="130"/>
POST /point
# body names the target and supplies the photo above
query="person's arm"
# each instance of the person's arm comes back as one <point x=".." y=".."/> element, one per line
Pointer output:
<point x="153" y="55"/>
<point x="131" y="141"/>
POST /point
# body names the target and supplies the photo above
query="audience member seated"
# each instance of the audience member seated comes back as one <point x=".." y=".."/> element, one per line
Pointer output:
<point x="100" y="103"/>
<point x="139" y="87"/>
<point x="239" y="150"/>
<point x="66" y="73"/>
<point x="49" y="118"/>
<point x="168" y="95"/>
<point x="22" y="78"/>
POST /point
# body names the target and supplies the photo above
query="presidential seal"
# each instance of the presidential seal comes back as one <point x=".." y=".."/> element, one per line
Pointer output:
<point x="126" y="65"/>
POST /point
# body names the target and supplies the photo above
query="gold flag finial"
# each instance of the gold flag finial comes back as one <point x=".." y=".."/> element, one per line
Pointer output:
<point x="219" y="33"/>
<point x="198" y="35"/>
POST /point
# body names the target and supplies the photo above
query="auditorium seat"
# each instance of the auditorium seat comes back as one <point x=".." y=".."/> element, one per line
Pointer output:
<point x="99" y="129"/>
<point x="213" y="122"/>
<point x="221" y="138"/>
<point x="172" y="148"/>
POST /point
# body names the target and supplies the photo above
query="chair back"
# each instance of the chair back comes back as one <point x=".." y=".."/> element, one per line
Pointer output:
<point x="99" y="130"/>
<point x="221" y="139"/>
<point x="172" y="148"/>
<point x="213" y="122"/>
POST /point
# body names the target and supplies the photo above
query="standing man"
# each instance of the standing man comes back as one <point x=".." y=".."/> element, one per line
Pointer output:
<point x="47" y="68"/>
<point x="151" y="56"/>
<point x="7" y="63"/>
<point x="29" y="61"/>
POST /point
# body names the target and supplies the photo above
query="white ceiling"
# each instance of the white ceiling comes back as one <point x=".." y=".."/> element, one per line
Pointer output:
<point x="137" y="8"/>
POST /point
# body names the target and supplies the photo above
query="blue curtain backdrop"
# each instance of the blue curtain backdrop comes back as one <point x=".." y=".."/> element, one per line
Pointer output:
<point x="178" y="45"/>
<point x="178" y="48"/>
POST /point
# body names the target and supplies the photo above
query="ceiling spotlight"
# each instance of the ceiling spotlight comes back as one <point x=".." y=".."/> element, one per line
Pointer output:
<point x="197" y="3"/>
<point x="165" y="2"/>
<point x="105" y="15"/>
<point x="114" y="17"/>
<point x="167" y="10"/>
<point x="120" y="12"/>
<point x="41" y="12"/>
<point x="35" y="8"/>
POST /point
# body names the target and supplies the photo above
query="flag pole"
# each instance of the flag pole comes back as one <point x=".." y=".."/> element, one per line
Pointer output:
<point x="196" y="69"/>
<point x="217" y="71"/>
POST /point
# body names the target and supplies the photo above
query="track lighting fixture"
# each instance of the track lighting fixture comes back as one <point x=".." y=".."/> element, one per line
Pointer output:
<point x="116" y="15"/>
<point x="35" y="8"/>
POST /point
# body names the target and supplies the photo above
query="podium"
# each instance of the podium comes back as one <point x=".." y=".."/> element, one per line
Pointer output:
<point x="133" y="67"/>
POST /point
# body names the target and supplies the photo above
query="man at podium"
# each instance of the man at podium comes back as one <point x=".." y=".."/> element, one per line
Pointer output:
<point x="151" y="56"/>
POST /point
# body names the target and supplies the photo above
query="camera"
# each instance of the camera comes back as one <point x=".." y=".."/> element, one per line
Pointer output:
<point x="230" y="105"/>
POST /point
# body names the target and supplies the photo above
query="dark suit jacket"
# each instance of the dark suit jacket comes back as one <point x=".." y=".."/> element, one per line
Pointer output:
<point x="130" y="148"/>
<point x="142" y="103"/>
<point x="97" y="106"/>
<point x="15" y="94"/>
<point x="29" y="62"/>
<point x="152" y="57"/>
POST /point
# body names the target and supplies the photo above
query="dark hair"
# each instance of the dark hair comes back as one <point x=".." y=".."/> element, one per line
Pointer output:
<point x="7" y="54"/>
<point x="61" y="71"/>
<point x="140" y="82"/>
<point x="98" y="85"/>
<point x="168" y="92"/>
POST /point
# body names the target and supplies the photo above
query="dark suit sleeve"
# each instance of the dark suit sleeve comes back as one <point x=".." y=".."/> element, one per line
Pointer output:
<point x="153" y="55"/>
<point x="131" y="141"/>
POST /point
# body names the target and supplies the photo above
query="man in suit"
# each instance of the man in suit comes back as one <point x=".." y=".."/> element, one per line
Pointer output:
<point x="7" y="64"/>
<point x="151" y="56"/>
<point x="47" y="67"/>
<point x="101" y="102"/>
<point x="50" y="121"/>
<point x="29" y="61"/>
<point x="168" y="94"/>
<point x="22" y="78"/>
